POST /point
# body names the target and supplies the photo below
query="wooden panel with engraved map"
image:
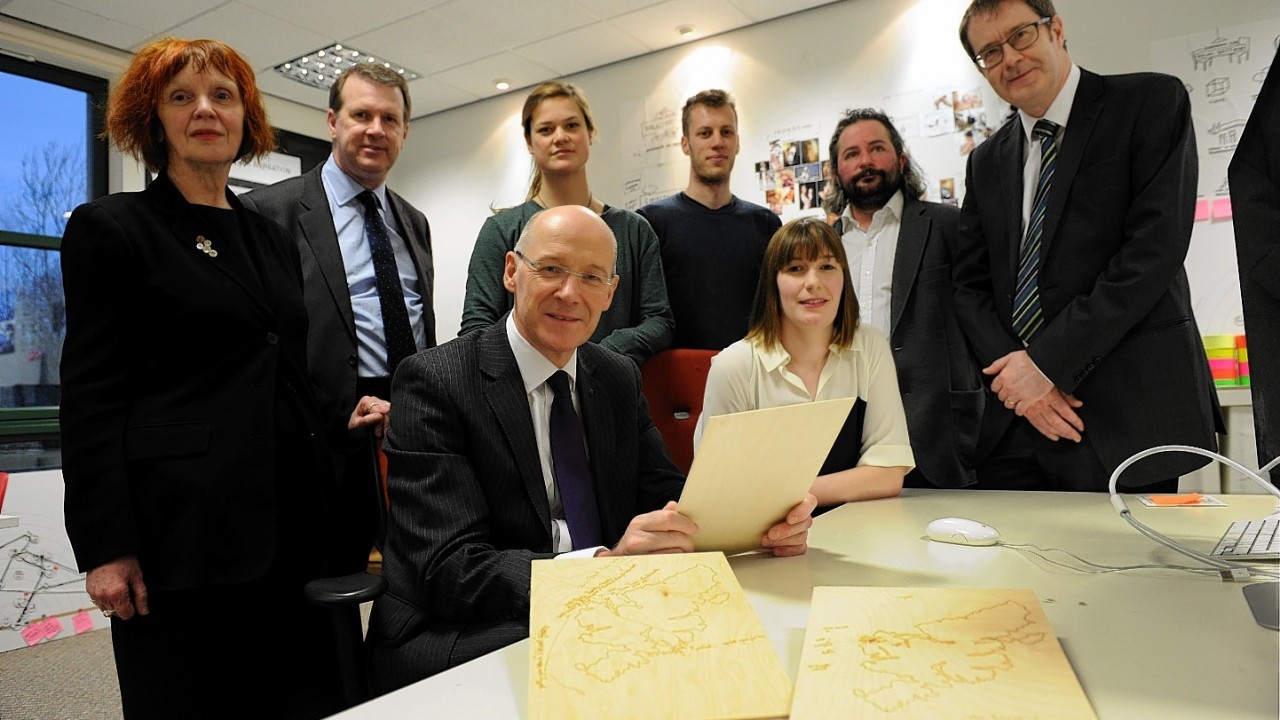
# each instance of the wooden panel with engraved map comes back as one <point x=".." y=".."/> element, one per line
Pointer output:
<point x="662" y="636"/>
<point x="906" y="653"/>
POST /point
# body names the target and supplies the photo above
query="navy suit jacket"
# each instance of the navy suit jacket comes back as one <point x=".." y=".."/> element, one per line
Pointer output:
<point x="469" y="507"/>
<point x="1119" y="332"/>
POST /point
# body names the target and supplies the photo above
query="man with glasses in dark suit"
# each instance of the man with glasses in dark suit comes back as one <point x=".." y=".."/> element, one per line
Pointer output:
<point x="522" y="441"/>
<point x="1068" y="265"/>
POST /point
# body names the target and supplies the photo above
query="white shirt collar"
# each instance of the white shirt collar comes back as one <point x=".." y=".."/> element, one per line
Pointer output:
<point x="777" y="356"/>
<point x="535" y="368"/>
<point x="1060" y="109"/>
<point x="893" y="207"/>
<point x="344" y="188"/>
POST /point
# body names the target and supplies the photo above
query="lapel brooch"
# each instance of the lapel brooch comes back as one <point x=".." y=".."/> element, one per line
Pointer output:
<point x="205" y="245"/>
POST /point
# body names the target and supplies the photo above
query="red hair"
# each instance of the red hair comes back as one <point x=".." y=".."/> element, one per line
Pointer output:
<point x="132" y="120"/>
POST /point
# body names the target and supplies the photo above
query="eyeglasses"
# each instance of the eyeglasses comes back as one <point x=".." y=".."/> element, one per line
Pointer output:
<point x="1021" y="39"/>
<point x="557" y="275"/>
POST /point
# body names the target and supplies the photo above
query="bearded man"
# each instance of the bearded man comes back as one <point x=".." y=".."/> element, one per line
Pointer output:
<point x="896" y="243"/>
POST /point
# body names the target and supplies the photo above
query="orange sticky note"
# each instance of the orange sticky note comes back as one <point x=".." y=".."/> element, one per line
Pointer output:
<point x="82" y="622"/>
<point x="1222" y="209"/>
<point x="1184" y="499"/>
<point x="1202" y="210"/>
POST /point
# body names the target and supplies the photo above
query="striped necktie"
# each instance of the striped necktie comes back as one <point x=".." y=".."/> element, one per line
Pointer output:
<point x="1028" y="318"/>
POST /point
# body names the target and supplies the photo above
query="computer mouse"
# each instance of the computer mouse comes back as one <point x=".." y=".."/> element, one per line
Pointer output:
<point x="962" y="531"/>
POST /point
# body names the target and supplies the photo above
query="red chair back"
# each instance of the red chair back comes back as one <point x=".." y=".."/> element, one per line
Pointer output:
<point x="674" y="381"/>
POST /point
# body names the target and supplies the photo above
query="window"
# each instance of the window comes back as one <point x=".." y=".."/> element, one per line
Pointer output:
<point x="50" y="162"/>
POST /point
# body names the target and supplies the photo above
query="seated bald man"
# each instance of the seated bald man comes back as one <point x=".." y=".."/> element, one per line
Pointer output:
<point x="519" y="442"/>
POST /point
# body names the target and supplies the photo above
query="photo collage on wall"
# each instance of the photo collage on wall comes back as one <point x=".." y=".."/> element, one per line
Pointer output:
<point x="794" y="175"/>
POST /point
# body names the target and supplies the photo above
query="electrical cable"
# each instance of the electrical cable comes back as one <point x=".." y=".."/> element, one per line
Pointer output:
<point x="1228" y="572"/>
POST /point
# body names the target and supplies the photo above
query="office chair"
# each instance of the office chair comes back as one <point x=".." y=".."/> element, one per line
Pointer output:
<point x="342" y="596"/>
<point x="674" y="381"/>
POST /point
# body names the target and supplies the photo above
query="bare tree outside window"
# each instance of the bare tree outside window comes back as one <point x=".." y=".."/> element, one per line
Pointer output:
<point x="32" y="314"/>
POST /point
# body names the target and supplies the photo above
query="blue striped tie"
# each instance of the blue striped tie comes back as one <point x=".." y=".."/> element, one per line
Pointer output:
<point x="1027" y="315"/>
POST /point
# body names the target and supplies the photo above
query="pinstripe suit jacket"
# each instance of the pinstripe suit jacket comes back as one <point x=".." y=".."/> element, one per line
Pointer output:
<point x="469" y="508"/>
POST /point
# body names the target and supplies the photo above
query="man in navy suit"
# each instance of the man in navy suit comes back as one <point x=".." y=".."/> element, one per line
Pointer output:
<point x="898" y="245"/>
<point x="347" y="346"/>
<point x="478" y="489"/>
<point x="1068" y="265"/>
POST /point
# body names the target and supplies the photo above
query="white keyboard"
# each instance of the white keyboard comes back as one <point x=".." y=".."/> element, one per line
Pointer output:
<point x="1250" y="540"/>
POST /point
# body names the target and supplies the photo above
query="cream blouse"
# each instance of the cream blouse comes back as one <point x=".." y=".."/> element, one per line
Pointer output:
<point x="745" y="377"/>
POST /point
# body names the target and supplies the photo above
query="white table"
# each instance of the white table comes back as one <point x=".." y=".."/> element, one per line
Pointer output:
<point x="1145" y="643"/>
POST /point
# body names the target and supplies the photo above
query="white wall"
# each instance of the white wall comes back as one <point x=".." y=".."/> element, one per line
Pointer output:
<point x="791" y="75"/>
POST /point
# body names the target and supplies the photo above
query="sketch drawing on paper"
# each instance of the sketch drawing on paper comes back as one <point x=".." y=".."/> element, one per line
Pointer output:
<point x="956" y="656"/>
<point x="614" y="622"/>
<point x="608" y="631"/>
<point x="1227" y="134"/>
<point x="1217" y="87"/>
<point x="908" y="653"/>
<point x="1236" y="51"/>
<point x="34" y="585"/>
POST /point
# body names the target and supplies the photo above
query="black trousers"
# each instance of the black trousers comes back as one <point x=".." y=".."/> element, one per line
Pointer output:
<point x="1023" y="459"/>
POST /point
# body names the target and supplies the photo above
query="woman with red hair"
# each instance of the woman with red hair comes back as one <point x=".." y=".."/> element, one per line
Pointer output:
<point x="193" y="445"/>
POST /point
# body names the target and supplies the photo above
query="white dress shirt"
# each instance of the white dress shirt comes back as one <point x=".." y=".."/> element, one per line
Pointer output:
<point x="871" y="254"/>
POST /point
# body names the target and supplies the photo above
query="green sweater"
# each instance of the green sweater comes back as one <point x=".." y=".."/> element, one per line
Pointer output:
<point x="637" y="324"/>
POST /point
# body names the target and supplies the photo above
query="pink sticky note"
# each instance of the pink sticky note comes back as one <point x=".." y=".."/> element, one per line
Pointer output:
<point x="1222" y="209"/>
<point x="1202" y="210"/>
<point x="82" y="622"/>
<point x="52" y="627"/>
<point x="32" y="633"/>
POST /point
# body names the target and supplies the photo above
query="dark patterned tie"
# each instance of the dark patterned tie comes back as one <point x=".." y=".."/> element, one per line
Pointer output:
<point x="395" y="317"/>
<point x="1027" y="316"/>
<point x="573" y="474"/>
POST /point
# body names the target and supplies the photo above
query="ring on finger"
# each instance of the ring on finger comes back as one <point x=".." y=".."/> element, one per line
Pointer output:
<point x="108" y="613"/>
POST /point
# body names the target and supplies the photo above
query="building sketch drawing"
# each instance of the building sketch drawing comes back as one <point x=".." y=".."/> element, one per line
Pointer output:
<point x="1217" y="87"/>
<point x="1235" y="51"/>
<point x="1227" y="134"/>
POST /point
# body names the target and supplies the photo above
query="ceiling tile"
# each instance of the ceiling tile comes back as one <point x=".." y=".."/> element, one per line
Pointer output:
<point x="427" y="42"/>
<point x="761" y="10"/>
<point x="147" y="14"/>
<point x="335" y="20"/>
<point x="431" y="96"/>
<point x="477" y="77"/>
<point x="75" y="21"/>
<point x="605" y="9"/>
<point x="512" y="23"/>
<point x="583" y="49"/>
<point x="263" y="39"/>
<point x="656" y="25"/>
<point x="273" y="83"/>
